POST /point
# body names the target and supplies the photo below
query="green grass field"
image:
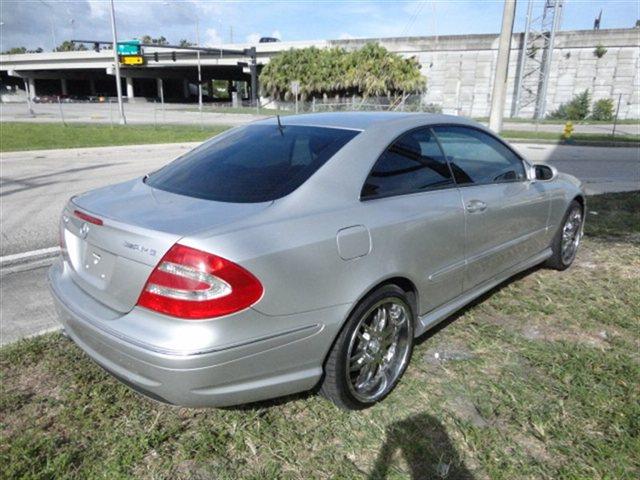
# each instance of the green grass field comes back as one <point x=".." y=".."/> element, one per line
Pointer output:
<point x="15" y="136"/>
<point x="37" y="136"/>
<point x="553" y="121"/>
<point x="576" y="138"/>
<point x="537" y="379"/>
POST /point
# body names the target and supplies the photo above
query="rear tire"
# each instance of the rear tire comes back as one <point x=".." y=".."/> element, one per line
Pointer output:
<point x="372" y="351"/>
<point x="567" y="239"/>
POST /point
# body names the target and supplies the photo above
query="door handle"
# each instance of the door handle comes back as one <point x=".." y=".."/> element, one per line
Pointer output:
<point x="476" y="206"/>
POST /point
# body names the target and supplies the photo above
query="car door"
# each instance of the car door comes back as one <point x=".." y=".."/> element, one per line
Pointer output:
<point x="415" y="211"/>
<point x="506" y="213"/>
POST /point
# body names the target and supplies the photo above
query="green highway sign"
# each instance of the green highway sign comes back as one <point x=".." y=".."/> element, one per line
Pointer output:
<point x="131" y="47"/>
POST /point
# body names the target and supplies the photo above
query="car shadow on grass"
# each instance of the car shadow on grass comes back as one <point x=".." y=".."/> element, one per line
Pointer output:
<point x="426" y="448"/>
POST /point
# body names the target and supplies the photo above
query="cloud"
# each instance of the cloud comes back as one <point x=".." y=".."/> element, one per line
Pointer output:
<point x="212" y="38"/>
<point x="345" y="36"/>
<point x="28" y="23"/>
<point x="253" y="38"/>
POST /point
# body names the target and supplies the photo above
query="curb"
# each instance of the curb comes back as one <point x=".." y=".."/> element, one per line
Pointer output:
<point x="27" y="258"/>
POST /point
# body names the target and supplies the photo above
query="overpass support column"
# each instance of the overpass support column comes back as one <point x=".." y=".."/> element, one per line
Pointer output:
<point x="92" y="86"/>
<point x="32" y="87"/>
<point x="185" y="88"/>
<point x="63" y="86"/>
<point x="130" y="89"/>
<point x="160" y="90"/>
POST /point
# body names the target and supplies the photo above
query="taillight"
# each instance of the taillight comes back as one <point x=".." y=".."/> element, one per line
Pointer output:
<point x="87" y="218"/>
<point x="192" y="284"/>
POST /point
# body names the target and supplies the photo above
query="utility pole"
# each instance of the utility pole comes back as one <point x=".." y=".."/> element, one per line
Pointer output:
<point x="53" y="28"/>
<point x="199" y="66"/>
<point x="500" y="79"/>
<point x="116" y="63"/>
<point x="253" y="69"/>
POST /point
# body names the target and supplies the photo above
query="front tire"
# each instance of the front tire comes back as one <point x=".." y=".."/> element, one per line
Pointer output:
<point x="567" y="239"/>
<point x="372" y="351"/>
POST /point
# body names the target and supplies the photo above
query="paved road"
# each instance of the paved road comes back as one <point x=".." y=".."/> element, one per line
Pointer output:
<point x="146" y="113"/>
<point x="35" y="185"/>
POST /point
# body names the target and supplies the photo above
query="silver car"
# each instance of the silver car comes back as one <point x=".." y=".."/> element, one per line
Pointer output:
<point x="285" y="255"/>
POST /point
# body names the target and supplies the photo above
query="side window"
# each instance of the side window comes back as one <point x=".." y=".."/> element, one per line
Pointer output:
<point x="413" y="163"/>
<point x="476" y="157"/>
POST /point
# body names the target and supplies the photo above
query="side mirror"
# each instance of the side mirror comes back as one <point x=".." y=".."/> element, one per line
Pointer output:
<point x="544" y="172"/>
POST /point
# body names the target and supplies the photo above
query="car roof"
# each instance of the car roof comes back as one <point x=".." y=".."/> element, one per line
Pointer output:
<point x="366" y="120"/>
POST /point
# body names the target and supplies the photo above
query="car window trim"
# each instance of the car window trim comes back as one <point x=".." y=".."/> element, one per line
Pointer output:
<point x="492" y="135"/>
<point x="412" y="191"/>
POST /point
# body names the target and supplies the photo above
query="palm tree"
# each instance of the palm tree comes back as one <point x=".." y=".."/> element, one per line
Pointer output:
<point x="369" y="71"/>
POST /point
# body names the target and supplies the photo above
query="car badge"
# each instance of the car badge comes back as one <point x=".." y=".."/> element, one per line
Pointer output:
<point x="84" y="230"/>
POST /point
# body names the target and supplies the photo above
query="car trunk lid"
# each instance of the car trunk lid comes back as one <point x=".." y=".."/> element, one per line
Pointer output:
<point x="112" y="261"/>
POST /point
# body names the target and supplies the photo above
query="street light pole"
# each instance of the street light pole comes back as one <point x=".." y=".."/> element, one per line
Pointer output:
<point x="53" y="28"/>
<point x="116" y="63"/>
<point x="199" y="67"/>
<point x="500" y="80"/>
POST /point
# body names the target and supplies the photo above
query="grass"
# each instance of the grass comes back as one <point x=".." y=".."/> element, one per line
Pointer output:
<point x="538" y="379"/>
<point x="15" y="136"/>
<point x="576" y="138"/>
<point x="553" y="121"/>
<point x="244" y="110"/>
<point x="37" y="136"/>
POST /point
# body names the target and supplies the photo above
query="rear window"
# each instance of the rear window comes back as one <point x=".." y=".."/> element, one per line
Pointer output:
<point x="256" y="163"/>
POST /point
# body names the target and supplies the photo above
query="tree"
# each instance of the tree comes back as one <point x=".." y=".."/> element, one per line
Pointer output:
<point x="19" y="50"/>
<point x="68" y="46"/>
<point x="185" y="43"/>
<point x="15" y="51"/>
<point x="576" y="109"/>
<point x="148" y="39"/>
<point x="369" y="71"/>
<point x="603" y="110"/>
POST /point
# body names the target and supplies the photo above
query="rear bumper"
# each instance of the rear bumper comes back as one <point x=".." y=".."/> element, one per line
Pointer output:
<point x="231" y="370"/>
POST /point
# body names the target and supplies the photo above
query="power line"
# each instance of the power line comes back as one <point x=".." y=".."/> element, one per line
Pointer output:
<point x="413" y="18"/>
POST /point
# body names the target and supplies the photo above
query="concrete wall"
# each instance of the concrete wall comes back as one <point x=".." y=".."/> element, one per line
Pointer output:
<point x="459" y="69"/>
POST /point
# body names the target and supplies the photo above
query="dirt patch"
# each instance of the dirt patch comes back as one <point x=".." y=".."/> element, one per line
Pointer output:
<point x="444" y="354"/>
<point x="465" y="409"/>
<point x="544" y="329"/>
<point x="37" y="381"/>
<point x="192" y="470"/>
<point x="532" y="447"/>
<point x="551" y="333"/>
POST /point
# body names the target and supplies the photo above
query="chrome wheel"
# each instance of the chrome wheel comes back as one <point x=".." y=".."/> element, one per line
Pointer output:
<point x="378" y="350"/>
<point x="571" y="232"/>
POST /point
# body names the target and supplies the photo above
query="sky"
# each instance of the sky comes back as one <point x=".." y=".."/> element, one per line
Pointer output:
<point x="43" y="23"/>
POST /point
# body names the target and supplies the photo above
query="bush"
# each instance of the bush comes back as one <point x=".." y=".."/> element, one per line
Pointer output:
<point x="603" y="110"/>
<point x="367" y="72"/>
<point x="599" y="51"/>
<point x="576" y="109"/>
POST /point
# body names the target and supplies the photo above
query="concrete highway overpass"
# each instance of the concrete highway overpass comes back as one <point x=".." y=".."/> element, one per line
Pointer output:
<point x="459" y="69"/>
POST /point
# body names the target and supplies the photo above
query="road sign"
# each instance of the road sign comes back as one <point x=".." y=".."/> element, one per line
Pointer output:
<point x="131" y="60"/>
<point x="131" y="47"/>
<point x="295" y="88"/>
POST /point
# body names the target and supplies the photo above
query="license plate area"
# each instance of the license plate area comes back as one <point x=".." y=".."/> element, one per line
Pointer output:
<point x="91" y="263"/>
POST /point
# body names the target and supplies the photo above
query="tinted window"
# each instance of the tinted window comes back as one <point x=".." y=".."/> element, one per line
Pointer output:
<point x="477" y="157"/>
<point x="412" y="163"/>
<point x="256" y="163"/>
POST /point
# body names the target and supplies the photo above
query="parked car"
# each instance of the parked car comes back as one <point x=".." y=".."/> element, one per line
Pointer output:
<point x="310" y="251"/>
